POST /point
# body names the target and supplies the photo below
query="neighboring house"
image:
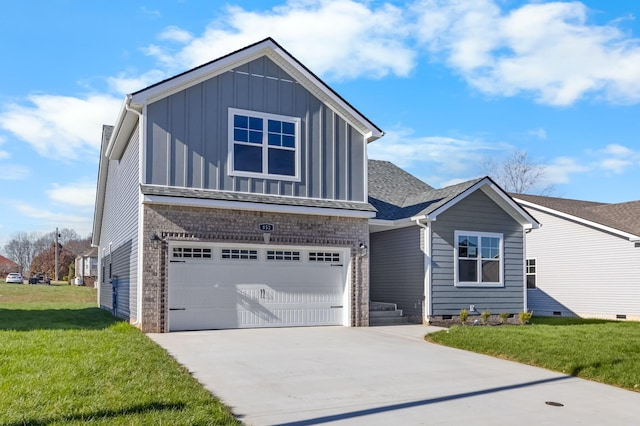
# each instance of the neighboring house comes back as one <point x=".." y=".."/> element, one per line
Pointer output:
<point x="7" y="266"/>
<point x="585" y="260"/>
<point x="235" y="195"/>
<point x="435" y="252"/>
<point x="87" y="267"/>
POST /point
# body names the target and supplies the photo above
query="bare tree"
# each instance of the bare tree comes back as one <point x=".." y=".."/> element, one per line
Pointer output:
<point x="22" y="248"/>
<point x="518" y="174"/>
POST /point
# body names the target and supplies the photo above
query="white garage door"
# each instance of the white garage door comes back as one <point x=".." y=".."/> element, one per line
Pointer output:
<point x="230" y="286"/>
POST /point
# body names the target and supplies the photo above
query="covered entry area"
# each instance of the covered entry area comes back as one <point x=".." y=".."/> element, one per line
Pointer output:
<point x="224" y="286"/>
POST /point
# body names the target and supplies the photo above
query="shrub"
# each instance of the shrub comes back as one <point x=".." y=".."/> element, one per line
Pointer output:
<point x="525" y="317"/>
<point x="485" y="315"/>
<point x="464" y="315"/>
<point x="504" y="317"/>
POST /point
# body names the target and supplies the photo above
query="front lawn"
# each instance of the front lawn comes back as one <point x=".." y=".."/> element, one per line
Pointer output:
<point x="603" y="351"/>
<point x="64" y="361"/>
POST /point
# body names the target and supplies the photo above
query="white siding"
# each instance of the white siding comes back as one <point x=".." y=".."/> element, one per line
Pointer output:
<point x="582" y="271"/>
<point x="119" y="234"/>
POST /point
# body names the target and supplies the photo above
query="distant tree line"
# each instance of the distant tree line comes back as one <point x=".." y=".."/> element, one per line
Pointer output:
<point x="35" y="252"/>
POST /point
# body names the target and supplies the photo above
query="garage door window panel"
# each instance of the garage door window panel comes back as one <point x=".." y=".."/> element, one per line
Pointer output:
<point x="283" y="255"/>
<point x="239" y="254"/>
<point x="191" y="253"/>
<point x="324" y="257"/>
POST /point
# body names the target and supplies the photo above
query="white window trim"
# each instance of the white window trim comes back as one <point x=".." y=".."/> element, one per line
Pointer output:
<point x="265" y="145"/>
<point x="526" y="272"/>
<point x="455" y="260"/>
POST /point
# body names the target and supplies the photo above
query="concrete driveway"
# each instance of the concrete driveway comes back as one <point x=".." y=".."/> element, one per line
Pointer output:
<point x="383" y="376"/>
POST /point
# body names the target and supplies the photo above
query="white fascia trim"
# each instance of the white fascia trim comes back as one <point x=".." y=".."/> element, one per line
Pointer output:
<point x="528" y="221"/>
<point x="263" y="207"/>
<point x="391" y="224"/>
<point x="497" y="195"/>
<point x="127" y="119"/>
<point x="371" y="132"/>
<point x="276" y="54"/>
<point x="195" y="76"/>
<point x="630" y="237"/>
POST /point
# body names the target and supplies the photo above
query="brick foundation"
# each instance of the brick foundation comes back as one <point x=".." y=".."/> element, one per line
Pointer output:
<point x="181" y="223"/>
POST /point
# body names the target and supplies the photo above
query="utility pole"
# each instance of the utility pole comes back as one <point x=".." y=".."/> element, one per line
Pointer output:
<point x="56" y="248"/>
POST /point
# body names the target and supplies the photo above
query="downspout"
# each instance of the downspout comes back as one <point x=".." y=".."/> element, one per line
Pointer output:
<point x="138" y="320"/>
<point x="524" y="268"/>
<point x="426" y="249"/>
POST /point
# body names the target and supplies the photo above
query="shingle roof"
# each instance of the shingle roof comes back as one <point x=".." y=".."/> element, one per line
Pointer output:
<point x="169" y="191"/>
<point x="397" y="194"/>
<point x="622" y="216"/>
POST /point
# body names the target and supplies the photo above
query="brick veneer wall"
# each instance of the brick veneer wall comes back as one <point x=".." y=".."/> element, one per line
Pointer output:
<point x="181" y="223"/>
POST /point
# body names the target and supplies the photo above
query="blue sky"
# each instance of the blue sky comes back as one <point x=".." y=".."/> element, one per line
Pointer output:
<point x="450" y="82"/>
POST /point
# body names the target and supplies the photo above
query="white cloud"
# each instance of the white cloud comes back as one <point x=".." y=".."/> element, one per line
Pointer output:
<point x="124" y="83"/>
<point x="173" y="33"/>
<point x="340" y="39"/>
<point x="61" y="126"/>
<point x="435" y="159"/>
<point x="559" y="170"/>
<point x="617" y="159"/>
<point x="549" y="50"/>
<point x="37" y="212"/>
<point x="540" y="133"/>
<point x="80" y="194"/>
<point x="154" y="13"/>
<point x="13" y="172"/>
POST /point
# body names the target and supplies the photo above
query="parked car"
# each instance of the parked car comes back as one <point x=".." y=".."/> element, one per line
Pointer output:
<point x="39" y="279"/>
<point x="15" y="278"/>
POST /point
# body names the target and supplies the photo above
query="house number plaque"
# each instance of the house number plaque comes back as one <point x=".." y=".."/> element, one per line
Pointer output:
<point x="266" y="227"/>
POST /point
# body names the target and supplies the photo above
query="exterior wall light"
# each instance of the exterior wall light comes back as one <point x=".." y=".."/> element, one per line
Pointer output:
<point x="362" y="250"/>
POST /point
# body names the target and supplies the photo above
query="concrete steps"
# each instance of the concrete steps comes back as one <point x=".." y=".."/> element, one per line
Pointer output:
<point x="381" y="313"/>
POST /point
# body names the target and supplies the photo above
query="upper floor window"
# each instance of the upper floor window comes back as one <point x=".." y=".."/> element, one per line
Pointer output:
<point x="264" y="145"/>
<point x="478" y="258"/>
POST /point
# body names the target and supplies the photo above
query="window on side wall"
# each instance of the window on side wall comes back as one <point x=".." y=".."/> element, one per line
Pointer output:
<point x="531" y="273"/>
<point x="478" y="259"/>
<point x="264" y="145"/>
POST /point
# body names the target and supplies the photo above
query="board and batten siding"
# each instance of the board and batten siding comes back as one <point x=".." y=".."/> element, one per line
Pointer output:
<point x="187" y="137"/>
<point x="477" y="212"/>
<point x="119" y="233"/>
<point x="397" y="269"/>
<point x="582" y="271"/>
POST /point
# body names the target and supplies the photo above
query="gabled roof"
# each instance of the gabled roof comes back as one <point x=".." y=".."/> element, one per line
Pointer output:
<point x="621" y="218"/>
<point x="6" y="263"/>
<point x="399" y="195"/>
<point x="134" y="102"/>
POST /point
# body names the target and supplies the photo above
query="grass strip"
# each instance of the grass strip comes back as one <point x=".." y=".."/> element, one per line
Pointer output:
<point x="599" y="350"/>
<point x="64" y="361"/>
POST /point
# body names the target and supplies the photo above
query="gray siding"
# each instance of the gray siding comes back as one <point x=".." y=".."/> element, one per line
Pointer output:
<point x="187" y="136"/>
<point x="397" y="269"/>
<point x="477" y="213"/>
<point x="119" y="234"/>
<point x="582" y="271"/>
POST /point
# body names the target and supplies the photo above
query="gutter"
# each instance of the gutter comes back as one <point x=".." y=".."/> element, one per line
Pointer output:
<point x="119" y="121"/>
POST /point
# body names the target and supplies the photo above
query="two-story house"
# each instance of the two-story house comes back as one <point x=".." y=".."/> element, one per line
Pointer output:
<point x="247" y="169"/>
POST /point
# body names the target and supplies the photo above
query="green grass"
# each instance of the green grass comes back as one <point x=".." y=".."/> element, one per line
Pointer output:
<point x="64" y="361"/>
<point x="599" y="350"/>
